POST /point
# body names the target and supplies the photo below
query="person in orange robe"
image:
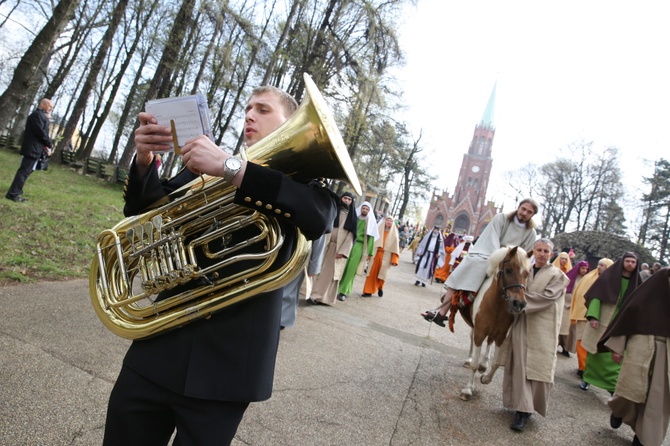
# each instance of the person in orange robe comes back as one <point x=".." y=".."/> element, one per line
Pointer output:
<point x="450" y="243"/>
<point x="387" y="254"/>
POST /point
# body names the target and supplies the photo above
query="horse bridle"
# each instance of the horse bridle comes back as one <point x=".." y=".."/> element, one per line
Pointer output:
<point x="505" y="287"/>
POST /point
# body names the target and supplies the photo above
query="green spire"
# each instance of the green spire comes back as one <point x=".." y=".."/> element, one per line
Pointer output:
<point x="487" y="119"/>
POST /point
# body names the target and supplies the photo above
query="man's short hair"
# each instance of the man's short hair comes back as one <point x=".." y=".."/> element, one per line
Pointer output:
<point x="288" y="101"/>
<point x="546" y="241"/>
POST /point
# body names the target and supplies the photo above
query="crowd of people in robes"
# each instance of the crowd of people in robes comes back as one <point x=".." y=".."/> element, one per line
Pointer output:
<point x="610" y="317"/>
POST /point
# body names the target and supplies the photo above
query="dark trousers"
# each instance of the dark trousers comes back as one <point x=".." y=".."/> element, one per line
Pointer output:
<point x="144" y="414"/>
<point x="25" y="169"/>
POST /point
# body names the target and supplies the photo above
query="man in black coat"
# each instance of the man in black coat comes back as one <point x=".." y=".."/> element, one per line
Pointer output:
<point x="36" y="141"/>
<point x="200" y="378"/>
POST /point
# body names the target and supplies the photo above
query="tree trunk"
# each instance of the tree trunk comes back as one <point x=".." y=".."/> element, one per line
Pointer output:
<point x="24" y="74"/>
<point x="92" y="77"/>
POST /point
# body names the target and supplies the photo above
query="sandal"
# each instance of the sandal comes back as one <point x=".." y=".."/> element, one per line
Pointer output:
<point x="434" y="316"/>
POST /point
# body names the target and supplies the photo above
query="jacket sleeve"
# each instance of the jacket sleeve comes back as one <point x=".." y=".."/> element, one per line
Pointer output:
<point x="310" y="207"/>
<point x="144" y="192"/>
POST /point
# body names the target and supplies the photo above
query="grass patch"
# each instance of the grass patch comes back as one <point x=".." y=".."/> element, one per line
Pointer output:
<point x="52" y="236"/>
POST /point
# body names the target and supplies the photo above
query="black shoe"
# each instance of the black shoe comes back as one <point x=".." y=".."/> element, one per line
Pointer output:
<point x="312" y="301"/>
<point x="615" y="422"/>
<point x="366" y="295"/>
<point x="423" y="285"/>
<point x="520" y="420"/>
<point x="565" y="353"/>
<point x="341" y="297"/>
<point x="16" y="198"/>
<point x="580" y="373"/>
<point x="584" y="385"/>
<point x="417" y="283"/>
<point x="434" y="316"/>
<point x="380" y="293"/>
<point x="636" y="441"/>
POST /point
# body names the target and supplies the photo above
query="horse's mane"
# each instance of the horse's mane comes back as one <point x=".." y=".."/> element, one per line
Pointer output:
<point x="499" y="254"/>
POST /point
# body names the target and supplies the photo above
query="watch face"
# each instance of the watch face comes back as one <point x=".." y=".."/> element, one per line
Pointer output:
<point x="475" y="169"/>
<point x="233" y="163"/>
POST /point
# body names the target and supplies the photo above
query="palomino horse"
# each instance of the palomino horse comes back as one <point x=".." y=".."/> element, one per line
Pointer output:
<point x="493" y="311"/>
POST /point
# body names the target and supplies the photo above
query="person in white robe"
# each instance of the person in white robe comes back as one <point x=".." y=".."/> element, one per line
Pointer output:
<point x="513" y="229"/>
<point x="429" y="255"/>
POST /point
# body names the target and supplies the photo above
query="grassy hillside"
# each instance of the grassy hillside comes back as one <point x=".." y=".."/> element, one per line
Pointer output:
<point x="52" y="236"/>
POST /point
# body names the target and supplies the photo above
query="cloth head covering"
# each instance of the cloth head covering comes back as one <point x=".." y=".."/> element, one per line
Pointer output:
<point x="350" y="222"/>
<point x="608" y="285"/>
<point x="578" y="307"/>
<point x="391" y="243"/>
<point x="371" y="228"/>
<point x="557" y="262"/>
<point x="573" y="274"/>
<point x="645" y="312"/>
<point x="468" y="238"/>
<point x="451" y="240"/>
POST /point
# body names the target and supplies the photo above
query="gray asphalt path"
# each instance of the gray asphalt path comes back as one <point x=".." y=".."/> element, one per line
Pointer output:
<point x="368" y="371"/>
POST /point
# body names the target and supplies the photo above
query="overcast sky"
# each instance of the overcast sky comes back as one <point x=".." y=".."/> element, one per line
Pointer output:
<point x="566" y="71"/>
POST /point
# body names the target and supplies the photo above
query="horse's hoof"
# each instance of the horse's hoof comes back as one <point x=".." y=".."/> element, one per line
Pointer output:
<point x="465" y="395"/>
<point x="485" y="379"/>
<point x="482" y="368"/>
<point x="467" y="363"/>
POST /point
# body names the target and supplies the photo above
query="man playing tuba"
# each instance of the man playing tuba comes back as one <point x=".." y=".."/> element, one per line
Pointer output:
<point x="200" y="378"/>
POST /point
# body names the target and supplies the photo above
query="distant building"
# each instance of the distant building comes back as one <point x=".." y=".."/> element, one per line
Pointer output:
<point x="467" y="211"/>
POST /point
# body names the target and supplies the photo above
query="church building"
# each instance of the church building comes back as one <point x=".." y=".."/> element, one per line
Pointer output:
<point x="467" y="210"/>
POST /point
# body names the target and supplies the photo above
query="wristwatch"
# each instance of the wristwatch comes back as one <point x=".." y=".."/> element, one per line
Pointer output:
<point x="231" y="166"/>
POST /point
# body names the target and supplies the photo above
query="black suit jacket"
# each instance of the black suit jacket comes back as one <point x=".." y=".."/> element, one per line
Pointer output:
<point x="36" y="136"/>
<point x="231" y="356"/>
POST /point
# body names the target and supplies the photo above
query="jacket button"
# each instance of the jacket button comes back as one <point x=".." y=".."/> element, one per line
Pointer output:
<point x="287" y="215"/>
<point x="247" y="199"/>
<point x="277" y="211"/>
<point x="259" y="203"/>
<point x="268" y="207"/>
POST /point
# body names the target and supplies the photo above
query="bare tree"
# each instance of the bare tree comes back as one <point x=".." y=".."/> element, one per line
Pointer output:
<point x="13" y="96"/>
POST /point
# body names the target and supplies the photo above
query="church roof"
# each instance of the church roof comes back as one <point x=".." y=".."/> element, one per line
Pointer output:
<point x="487" y="119"/>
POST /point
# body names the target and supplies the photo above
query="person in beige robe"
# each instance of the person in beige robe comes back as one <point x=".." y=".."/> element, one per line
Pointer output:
<point x="338" y="246"/>
<point x="639" y="339"/>
<point x="530" y="359"/>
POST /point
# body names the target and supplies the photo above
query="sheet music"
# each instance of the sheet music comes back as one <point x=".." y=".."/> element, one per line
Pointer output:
<point x="189" y="113"/>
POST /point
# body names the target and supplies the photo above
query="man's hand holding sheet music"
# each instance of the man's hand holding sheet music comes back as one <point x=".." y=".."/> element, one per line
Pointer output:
<point x="200" y="154"/>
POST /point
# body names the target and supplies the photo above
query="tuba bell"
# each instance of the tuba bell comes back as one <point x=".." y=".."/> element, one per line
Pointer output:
<point x="162" y="250"/>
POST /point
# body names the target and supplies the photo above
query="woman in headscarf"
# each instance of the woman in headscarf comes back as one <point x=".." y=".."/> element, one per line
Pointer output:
<point x="603" y="300"/>
<point x="567" y="336"/>
<point x="450" y="244"/>
<point x="563" y="262"/>
<point x="578" y="310"/>
<point x="387" y="254"/>
<point x="339" y="245"/>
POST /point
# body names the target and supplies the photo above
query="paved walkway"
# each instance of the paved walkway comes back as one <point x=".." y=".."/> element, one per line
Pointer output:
<point x="368" y="371"/>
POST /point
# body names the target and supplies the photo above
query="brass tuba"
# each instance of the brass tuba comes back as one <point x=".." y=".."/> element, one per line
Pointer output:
<point x="158" y="251"/>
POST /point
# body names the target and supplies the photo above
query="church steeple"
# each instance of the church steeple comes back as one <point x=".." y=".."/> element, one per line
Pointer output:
<point x="467" y="211"/>
<point x="487" y="119"/>
<point x="473" y="179"/>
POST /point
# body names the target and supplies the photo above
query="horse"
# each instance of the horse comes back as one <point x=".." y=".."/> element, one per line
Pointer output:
<point x="492" y="312"/>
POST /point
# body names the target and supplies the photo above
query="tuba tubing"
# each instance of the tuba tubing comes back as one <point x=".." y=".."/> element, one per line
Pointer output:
<point x="203" y="249"/>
